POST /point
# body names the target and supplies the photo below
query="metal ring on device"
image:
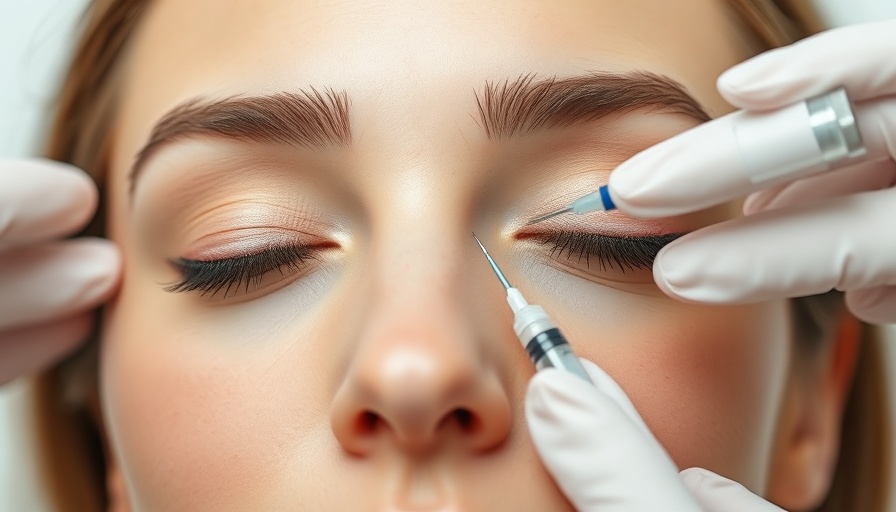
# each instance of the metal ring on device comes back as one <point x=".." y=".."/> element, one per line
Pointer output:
<point x="834" y="126"/>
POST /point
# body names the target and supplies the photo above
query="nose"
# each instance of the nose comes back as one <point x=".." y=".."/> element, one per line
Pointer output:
<point x="417" y="383"/>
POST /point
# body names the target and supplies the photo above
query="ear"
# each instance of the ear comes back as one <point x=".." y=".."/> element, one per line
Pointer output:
<point x="808" y="434"/>
<point x="116" y="490"/>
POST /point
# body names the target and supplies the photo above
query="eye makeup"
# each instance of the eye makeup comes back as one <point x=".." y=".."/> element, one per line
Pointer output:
<point x="224" y="258"/>
<point x="238" y="243"/>
<point x="212" y="276"/>
<point x="606" y="252"/>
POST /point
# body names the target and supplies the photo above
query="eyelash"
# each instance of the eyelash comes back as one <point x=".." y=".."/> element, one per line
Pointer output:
<point x="621" y="252"/>
<point x="211" y="276"/>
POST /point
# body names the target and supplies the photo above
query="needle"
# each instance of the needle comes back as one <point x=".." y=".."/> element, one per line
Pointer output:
<point x="538" y="334"/>
<point x="536" y="220"/>
<point x="493" y="264"/>
<point x="598" y="201"/>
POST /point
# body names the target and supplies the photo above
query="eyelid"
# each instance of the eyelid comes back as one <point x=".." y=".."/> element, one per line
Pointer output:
<point x="611" y="253"/>
<point x="245" y="241"/>
<point x="210" y="276"/>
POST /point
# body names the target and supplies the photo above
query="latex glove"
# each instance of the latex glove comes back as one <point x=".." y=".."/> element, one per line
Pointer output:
<point x="603" y="457"/>
<point x="47" y="286"/>
<point x="833" y="230"/>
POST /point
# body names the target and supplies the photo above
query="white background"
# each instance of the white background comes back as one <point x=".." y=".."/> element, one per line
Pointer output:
<point x="35" y="41"/>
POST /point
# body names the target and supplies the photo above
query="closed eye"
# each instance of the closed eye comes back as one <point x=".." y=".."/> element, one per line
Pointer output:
<point x="605" y="252"/>
<point x="247" y="271"/>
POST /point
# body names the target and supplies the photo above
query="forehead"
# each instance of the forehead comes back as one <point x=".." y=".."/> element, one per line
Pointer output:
<point x="415" y="49"/>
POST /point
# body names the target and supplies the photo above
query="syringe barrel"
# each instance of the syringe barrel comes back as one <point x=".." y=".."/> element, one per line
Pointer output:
<point x="549" y="349"/>
<point x="543" y="341"/>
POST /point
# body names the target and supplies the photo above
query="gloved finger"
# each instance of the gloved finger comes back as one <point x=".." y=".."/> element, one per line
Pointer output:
<point x="705" y="166"/>
<point x="41" y="199"/>
<point x="55" y="280"/>
<point x="863" y="177"/>
<point x="24" y="351"/>
<point x="876" y="120"/>
<point x="873" y="305"/>
<point x="843" y="243"/>
<point x="858" y="57"/>
<point x="719" y="494"/>
<point x="600" y="458"/>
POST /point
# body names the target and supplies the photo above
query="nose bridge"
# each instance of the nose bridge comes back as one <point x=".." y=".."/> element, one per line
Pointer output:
<point x="419" y="375"/>
<point x="417" y="275"/>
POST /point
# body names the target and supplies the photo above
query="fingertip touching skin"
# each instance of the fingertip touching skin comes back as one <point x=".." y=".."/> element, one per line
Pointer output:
<point x="43" y="200"/>
<point x="304" y="317"/>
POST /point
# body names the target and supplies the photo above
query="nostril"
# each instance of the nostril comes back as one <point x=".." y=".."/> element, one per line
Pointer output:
<point x="367" y="422"/>
<point x="464" y="418"/>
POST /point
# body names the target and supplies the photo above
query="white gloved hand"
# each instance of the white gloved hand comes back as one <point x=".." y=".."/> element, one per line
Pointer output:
<point x="603" y="457"/>
<point x="833" y="230"/>
<point x="47" y="286"/>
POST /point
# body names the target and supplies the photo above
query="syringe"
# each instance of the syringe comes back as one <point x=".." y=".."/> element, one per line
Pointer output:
<point x="598" y="201"/>
<point x="546" y="346"/>
<point x="734" y="155"/>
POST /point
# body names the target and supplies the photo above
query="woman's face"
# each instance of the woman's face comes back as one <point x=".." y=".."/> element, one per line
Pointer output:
<point x="305" y="320"/>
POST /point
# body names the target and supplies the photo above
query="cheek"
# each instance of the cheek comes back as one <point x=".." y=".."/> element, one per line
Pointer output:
<point x="707" y="380"/>
<point x="190" y="411"/>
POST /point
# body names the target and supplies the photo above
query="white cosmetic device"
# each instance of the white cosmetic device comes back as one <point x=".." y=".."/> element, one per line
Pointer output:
<point x="734" y="154"/>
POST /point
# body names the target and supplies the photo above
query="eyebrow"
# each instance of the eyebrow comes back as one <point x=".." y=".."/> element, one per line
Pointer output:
<point x="516" y="107"/>
<point x="307" y="118"/>
<point x="506" y="108"/>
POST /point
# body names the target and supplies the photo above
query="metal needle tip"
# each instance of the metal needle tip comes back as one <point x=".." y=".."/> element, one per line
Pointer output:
<point x="536" y="220"/>
<point x="493" y="264"/>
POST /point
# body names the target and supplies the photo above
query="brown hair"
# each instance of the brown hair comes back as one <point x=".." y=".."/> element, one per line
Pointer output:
<point x="72" y="445"/>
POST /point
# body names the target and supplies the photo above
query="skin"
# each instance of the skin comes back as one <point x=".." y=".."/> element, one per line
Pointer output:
<point x="256" y="402"/>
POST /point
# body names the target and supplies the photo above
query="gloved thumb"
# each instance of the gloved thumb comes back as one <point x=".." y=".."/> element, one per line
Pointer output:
<point x="718" y="494"/>
<point x="594" y="443"/>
